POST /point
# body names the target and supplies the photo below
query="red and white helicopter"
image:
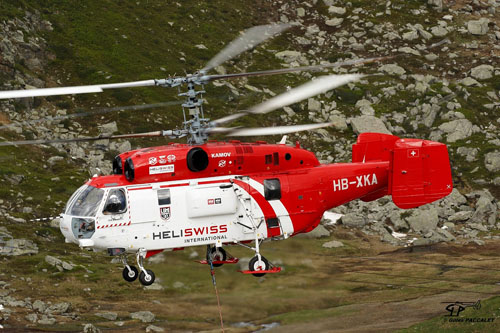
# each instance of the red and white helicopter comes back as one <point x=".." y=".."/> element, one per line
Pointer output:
<point x="222" y="193"/>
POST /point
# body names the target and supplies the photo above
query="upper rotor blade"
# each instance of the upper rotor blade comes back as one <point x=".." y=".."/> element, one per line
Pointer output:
<point x="276" y="130"/>
<point x="72" y="90"/>
<point x="93" y="112"/>
<point x="312" y="88"/>
<point x="295" y="69"/>
<point x="94" y="138"/>
<point x="250" y="38"/>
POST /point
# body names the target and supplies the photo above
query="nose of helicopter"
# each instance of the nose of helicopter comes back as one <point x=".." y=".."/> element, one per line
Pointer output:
<point x="72" y="226"/>
<point x="65" y="227"/>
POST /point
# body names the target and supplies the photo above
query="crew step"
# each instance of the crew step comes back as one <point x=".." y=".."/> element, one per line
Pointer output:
<point x="269" y="271"/>
<point x="219" y="262"/>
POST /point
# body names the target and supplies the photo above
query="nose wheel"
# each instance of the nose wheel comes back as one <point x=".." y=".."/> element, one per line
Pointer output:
<point x="130" y="273"/>
<point x="147" y="278"/>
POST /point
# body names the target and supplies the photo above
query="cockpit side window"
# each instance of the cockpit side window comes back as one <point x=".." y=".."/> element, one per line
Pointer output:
<point x="116" y="203"/>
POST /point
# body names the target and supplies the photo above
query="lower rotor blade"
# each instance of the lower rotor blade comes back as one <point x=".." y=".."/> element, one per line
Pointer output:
<point x="84" y="139"/>
<point x="276" y="130"/>
<point x="72" y="90"/>
<point x="94" y="112"/>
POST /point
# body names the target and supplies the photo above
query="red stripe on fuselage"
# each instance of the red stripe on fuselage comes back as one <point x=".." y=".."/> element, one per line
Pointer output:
<point x="214" y="181"/>
<point x="174" y="185"/>
<point x="140" y="188"/>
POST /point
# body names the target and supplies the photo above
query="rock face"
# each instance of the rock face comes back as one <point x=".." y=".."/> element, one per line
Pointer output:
<point x="457" y="129"/>
<point x="353" y="220"/>
<point x="58" y="263"/>
<point x="486" y="209"/>
<point x="367" y="123"/>
<point x="107" y="315"/>
<point x="482" y="72"/>
<point x="153" y="328"/>
<point x="436" y="3"/>
<point x="291" y="56"/>
<point x="492" y="161"/>
<point x="332" y="244"/>
<point x="58" y="308"/>
<point x="336" y="10"/>
<point x="478" y="27"/>
<point x="18" y="45"/>
<point x="144" y="316"/>
<point x="334" y="22"/>
<point x="392" y="69"/>
<point x="318" y="232"/>
<point x="18" y="247"/>
<point x="423" y="221"/>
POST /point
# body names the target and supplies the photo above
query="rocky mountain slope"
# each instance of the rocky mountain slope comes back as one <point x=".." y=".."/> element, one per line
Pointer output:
<point x="441" y="82"/>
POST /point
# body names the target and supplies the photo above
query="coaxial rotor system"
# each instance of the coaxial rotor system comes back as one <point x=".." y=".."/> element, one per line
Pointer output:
<point x="195" y="126"/>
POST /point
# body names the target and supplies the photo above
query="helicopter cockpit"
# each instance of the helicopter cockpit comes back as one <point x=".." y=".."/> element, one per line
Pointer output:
<point x="82" y="209"/>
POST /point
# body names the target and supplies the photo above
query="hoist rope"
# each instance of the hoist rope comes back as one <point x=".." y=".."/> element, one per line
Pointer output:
<point x="212" y="272"/>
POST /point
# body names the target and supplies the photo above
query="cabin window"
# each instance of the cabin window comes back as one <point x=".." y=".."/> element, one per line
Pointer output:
<point x="269" y="159"/>
<point x="272" y="189"/>
<point x="164" y="197"/>
<point x="116" y="203"/>
<point x="276" y="158"/>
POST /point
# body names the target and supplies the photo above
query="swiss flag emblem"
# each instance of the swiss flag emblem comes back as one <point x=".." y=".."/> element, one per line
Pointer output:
<point x="211" y="201"/>
<point x="413" y="153"/>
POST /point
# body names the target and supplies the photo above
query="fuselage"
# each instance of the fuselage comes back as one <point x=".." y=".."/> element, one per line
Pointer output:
<point x="279" y="191"/>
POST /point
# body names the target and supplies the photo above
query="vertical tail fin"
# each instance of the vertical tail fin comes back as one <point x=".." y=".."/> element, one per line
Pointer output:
<point x="419" y="170"/>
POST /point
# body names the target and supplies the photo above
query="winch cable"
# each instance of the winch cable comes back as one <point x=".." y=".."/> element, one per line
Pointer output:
<point x="212" y="272"/>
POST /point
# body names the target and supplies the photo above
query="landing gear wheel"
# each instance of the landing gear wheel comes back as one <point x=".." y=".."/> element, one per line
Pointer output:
<point x="147" y="280"/>
<point x="130" y="276"/>
<point x="217" y="254"/>
<point x="256" y="265"/>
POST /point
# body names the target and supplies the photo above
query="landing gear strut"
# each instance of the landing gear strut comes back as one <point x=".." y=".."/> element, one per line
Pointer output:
<point x="258" y="264"/>
<point x="146" y="277"/>
<point x="130" y="273"/>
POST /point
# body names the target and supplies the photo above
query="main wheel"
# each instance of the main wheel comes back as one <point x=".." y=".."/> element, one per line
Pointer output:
<point x="147" y="280"/>
<point x="217" y="254"/>
<point x="131" y="275"/>
<point x="258" y="265"/>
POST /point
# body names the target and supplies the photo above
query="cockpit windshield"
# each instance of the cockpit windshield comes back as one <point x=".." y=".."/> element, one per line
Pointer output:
<point x="86" y="203"/>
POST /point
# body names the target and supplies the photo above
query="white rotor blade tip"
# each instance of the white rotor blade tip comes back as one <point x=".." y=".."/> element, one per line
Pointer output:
<point x="96" y="88"/>
<point x="49" y="92"/>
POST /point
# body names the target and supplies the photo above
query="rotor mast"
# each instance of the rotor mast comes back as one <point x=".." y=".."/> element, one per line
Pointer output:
<point x="195" y="124"/>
